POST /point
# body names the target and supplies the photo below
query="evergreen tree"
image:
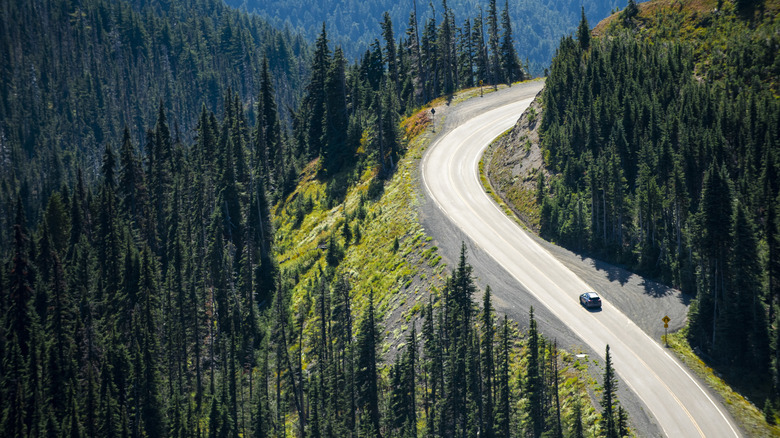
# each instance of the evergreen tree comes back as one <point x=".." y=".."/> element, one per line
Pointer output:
<point x="366" y="369"/>
<point x="337" y="149"/>
<point x="533" y="380"/>
<point x="266" y="135"/>
<point x="314" y="102"/>
<point x="160" y="158"/>
<point x="508" y="56"/>
<point x="745" y="315"/>
<point x="488" y="367"/>
<point x="19" y="319"/>
<point x="432" y="366"/>
<point x="716" y="204"/>
<point x="577" y="430"/>
<point x="629" y="12"/>
<point x="503" y="391"/>
<point x="583" y="31"/>
<point x="608" y="400"/>
<point x="390" y="50"/>
<point x="465" y="56"/>
<point x="130" y="178"/>
<point x="493" y="43"/>
<point x="480" y="51"/>
<point x="147" y="372"/>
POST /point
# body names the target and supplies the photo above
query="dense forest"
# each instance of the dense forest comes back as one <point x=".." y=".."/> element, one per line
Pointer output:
<point x="73" y="74"/>
<point x="662" y="133"/>
<point x="140" y="294"/>
<point x="539" y="24"/>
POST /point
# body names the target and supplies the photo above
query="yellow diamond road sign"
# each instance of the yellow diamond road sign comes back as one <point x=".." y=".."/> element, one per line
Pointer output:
<point x="666" y="320"/>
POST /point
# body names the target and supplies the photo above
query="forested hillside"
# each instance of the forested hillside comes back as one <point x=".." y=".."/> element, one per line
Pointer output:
<point x="146" y="146"/>
<point x="74" y="74"/>
<point x="539" y="24"/>
<point x="662" y="134"/>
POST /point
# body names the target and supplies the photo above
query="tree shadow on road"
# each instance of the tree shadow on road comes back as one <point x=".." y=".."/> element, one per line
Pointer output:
<point x="658" y="290"/>
<point x="614" y="273"/>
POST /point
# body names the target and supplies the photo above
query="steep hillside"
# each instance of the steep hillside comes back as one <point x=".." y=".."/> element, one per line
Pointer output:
<point x="659" y="150"/>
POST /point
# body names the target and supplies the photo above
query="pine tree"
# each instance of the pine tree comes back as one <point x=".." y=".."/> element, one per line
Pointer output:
<point x="508" y="56"/>
<point x="160" y="150"/>
<point x="314" y="102"/>
<point x="558" y="431"/>
<point x="432" y="367"/>
<point x="503" y="392"/>
<point x="390" y="50"/>
<point x="268" y="132"/>
<point x="629" y="12"/>
<point x="366" y="368"/>
<point x="60" y="362"/>
<point x="493" y="42"/>
<point x="21" y="288"/>
<point x="130" y="178"/>
<point x="147" y="375"/>
<point x="419" y="73"/>
<point x="109" y="234"/>
<point x="465" y="56"/>
<point x="577" y="430"/>
<point x="533" y="380"/>
<point x="608" y="400"/>
<point x="481" y="64"/>
<point x="488" y="367"/>
<point x="446" y="52"/>
<point x="622" y="422"/>
<point x="745" y="314"/>
<point x="57" y="221"/>
<point x="410" y="384"/>
<point x="583" y="32"/>
<point x="714" y="232"/>
<point x="337" y="150"/>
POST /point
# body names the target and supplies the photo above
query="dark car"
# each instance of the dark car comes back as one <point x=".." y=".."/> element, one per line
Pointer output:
<point x="590" y="299"/>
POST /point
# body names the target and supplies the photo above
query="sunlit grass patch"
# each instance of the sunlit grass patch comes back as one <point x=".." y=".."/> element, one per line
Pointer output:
<point x="749" y="416"/>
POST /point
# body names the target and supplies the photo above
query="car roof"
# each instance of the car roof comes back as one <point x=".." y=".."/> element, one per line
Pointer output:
<point x="592" y="294"/>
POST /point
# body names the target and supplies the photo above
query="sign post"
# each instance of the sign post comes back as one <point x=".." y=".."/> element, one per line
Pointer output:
<point x="666" y="320"/>
<point x="433" y="118"/>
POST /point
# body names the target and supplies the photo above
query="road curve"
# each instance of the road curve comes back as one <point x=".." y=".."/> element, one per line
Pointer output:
<point x="681" y="406"/>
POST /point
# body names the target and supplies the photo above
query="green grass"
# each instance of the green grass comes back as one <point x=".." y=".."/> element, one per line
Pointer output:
<point x="394" y="275"/>
<point x="746" y="414"/>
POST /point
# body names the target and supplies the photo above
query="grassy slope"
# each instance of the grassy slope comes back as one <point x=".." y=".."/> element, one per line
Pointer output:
<point x="402" y="279"/>
<point x="749" y="417"/>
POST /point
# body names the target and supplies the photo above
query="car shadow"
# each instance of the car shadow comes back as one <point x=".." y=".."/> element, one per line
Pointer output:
<point x="593" y="309"/>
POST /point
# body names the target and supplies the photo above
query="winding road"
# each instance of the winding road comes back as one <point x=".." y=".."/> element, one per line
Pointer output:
<point x="678" y="402"/>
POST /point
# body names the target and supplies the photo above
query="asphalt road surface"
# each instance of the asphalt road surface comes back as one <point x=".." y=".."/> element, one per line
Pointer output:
<point x="678" y="403"/>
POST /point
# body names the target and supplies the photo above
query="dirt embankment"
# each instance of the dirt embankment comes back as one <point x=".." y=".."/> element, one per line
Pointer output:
<point x="512" y="165"/>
